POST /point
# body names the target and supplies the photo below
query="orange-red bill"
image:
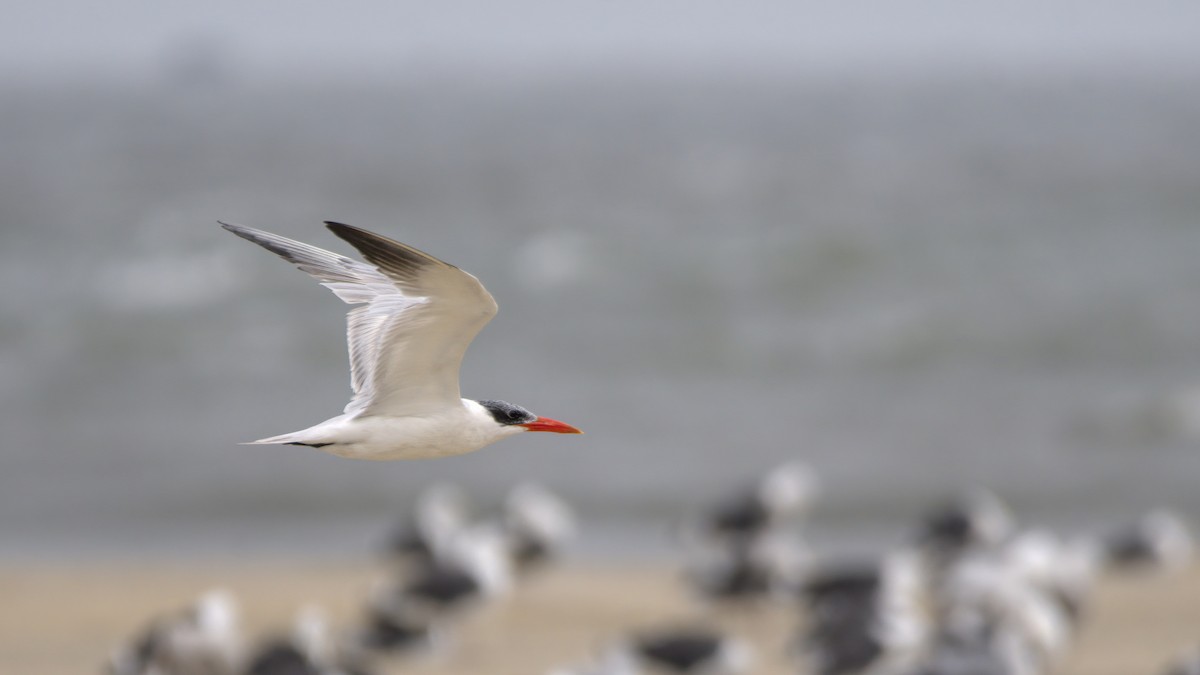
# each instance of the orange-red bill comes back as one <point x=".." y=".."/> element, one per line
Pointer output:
<point x="553" y="426"/>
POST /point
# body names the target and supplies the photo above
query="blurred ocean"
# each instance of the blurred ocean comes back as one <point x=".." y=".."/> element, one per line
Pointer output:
<point x="915" y="283"/>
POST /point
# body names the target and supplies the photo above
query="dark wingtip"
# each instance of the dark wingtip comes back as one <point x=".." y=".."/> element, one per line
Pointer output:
<point x="337" y="227"/>
<point x="383" y="251"/>
<point x="354" y="234"/>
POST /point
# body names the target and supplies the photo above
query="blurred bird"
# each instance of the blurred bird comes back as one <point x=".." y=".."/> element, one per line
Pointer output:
<point x="387" y="636"/>
<point x="783" y="491"/>
<point x="441" y="511"/>
<point x="985" y="597"/>
<point x="748" y="570"/>
<point x="406" y="347"/>
<point x="690" y="649"/>
<point x="864" y="614"/>
<point x="537" y="525"/>
<point x="204" y="639"/>
<point x="475" y="566"/>
<point x="308" y="650"/>
<point x="1018" y="595"/>
<point x="976" y="519"/>
<point x="1063" y="570"/>
<point x="1160" y="539"/>
<point x="390" y="634"/>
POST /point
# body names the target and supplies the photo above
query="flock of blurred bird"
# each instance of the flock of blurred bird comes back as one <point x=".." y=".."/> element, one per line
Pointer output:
<point x="969" y="592"/>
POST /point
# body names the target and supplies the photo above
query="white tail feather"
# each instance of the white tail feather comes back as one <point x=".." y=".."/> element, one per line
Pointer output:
<point x="283" y="439"/>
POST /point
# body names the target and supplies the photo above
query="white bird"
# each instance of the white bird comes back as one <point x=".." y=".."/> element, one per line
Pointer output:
<point x="406" y="346"/>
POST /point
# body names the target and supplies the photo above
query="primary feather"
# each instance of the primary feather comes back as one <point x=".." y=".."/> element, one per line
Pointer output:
<point x="407" y="343"/>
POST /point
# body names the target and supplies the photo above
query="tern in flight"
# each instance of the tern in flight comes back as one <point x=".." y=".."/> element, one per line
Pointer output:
<point x="407" y="341"/>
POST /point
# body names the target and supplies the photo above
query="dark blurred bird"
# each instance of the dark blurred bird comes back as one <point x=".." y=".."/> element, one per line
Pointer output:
<point x="474" y="566"/>
<point x="537" y="525"/>
<point x="384" y="633"/>
<point x="783" y="491"/>
<point x="844" y="587"/>
<point x="406" y="347"/>
<point x="1160" y="539"/>
<point x="976" y="519"/>
<point x="688" y="650"/>
<point x="753" y="569"/>
<point x="441" y="511"/>
<point x="680" y="649"/>
<point x="308" y="650"/>
<point x="204" y="639"/>
<point x="864" y="614"/>
<point x="281" y="658"/>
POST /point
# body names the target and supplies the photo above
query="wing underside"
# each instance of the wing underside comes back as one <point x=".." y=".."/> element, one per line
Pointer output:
<point x="419" y="316"/>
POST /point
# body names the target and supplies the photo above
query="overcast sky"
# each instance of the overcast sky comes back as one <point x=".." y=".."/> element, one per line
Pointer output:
<point x="274" y="38"/>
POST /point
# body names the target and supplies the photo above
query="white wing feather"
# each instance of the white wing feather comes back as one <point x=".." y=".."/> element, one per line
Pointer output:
<point x="407" y="344"/>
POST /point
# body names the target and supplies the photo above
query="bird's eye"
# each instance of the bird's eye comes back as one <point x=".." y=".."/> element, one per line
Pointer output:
<point x="515" y="415"/>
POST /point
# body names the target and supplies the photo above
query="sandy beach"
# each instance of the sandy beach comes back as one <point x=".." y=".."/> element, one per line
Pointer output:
<point x="65" y="619"/>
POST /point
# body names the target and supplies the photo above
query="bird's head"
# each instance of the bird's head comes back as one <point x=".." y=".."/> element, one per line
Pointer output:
<point x="515" y="417"/>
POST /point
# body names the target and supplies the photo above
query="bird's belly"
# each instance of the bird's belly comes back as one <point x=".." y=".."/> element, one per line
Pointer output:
<point x="389" y="438"/>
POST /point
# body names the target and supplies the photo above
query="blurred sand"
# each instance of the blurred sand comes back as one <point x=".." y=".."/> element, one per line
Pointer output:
<point x="65" y="619"/>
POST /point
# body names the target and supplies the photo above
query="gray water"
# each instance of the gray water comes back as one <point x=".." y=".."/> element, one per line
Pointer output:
<point x="916" y="284"/>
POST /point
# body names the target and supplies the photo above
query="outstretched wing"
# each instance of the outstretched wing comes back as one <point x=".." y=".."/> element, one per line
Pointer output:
<point x="420" y="315"/>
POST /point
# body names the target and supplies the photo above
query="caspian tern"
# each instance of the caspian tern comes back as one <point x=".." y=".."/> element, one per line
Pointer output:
<point x="406" y="347"/>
